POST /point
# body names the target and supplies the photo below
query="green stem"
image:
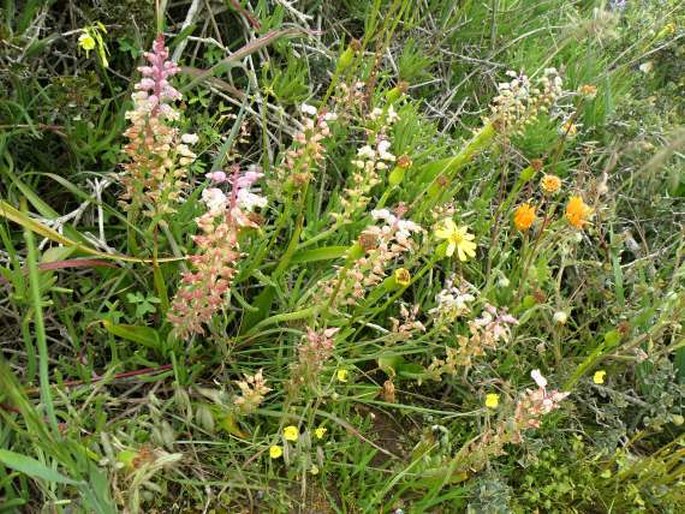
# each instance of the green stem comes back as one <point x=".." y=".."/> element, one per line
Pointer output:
<point x="39" y="324"/>
<point x="292" y="244"/>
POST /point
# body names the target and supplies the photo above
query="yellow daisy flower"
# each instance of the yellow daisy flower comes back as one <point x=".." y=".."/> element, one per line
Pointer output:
<point x="275" y="451"/>
<point x="86" y="41"/>
<point x="491" y="400"/>
<point x="291" y="433"/>
<point x="458" y="238"/>
<point x="598" y="377"/>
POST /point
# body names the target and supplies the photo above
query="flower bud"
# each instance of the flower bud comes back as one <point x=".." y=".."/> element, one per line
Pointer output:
<point x="396" y="93"/>
<point x="527" y="174"/>
<point x="396" y="176"/>
<point x="560" y="318"/>
<point x="345" y="59"/>
<point x="402" y="277"/>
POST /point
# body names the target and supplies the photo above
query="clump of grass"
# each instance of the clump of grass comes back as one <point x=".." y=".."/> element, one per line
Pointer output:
<point x="431" y="265"/>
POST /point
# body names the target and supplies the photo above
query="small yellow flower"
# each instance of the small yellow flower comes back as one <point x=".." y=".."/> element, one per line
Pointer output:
<point x="458" y="238"/>
<point x="291" y="433"/>
<point x="598" y="377"/>
<point x="342" y="375"/>
<point x="320" y="432"/>
<point x="402" y="277"/>
<point x="550" y="184"/>
<point x="86" y="41"/>
<point x="577" y="212"/>
<point x="275" y="451"/>
<point x="524" y="217"/>
<point x="314" y="469"/>
<point x="491" y="400"/>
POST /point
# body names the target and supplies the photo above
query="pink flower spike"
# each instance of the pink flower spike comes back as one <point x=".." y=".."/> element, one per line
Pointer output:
<point x="249" y="178"/>
<point x="218" y="177"/>
<point x="145" y="83"/>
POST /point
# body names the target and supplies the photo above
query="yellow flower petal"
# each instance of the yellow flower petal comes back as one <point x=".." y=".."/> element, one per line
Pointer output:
<point x="291" y="433"/>
<point x="320" y="432"/>
<point x="275" y="451"/>
<point x="598" y="377"/>
<point x="342" y="375"/>
<point x="491" y="400"/>
<point x="86" y="41"/>
<point x="461" y="254"/>
<point x="446" y="229"/>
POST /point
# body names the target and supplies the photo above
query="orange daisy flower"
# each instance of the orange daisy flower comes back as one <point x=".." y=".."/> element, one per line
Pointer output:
<point x="577" y="212"/>
<point x="524" y="217"/>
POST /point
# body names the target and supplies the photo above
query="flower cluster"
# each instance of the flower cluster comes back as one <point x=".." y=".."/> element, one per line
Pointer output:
<point x="494" y="325"/>
<point x="408" y="324"/>
<point x="529" y="411"/>
<point x="485" y="332"/>
<point x="452" y="302"/>
<point x="348" y="96"/>
<point x="252" y="392"/>
<point x="382" y="246"/>
<point x="533" y="405"/>
<point x="519" y="101"/>
<point x="300" y="448"/>
<point x="159" y="155"/>
<point x="372" y="158"/>
<point x="313" y="352"/>
<point x="577" y="212"/>
<point x="308" y="150"/>
<point x="204" y="291"/>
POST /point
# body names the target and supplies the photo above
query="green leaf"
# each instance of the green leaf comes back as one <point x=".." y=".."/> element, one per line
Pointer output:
<point x="33" y="468"/>
<point x="12" y="505"/>
<point x="611" y="339"/>
<point x="260" y="310"/>
<point x="229" y="423"/>
<point x="320" y="254"/>
<point x="390" y="363"/>
<point x="680" y="364"/>
<point x="146" y="336"/>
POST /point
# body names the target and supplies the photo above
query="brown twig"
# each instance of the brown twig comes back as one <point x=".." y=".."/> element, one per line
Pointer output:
<point x="67" y="263"/>
<point x="9" y="408"/>
<point x="244" y="12"/>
